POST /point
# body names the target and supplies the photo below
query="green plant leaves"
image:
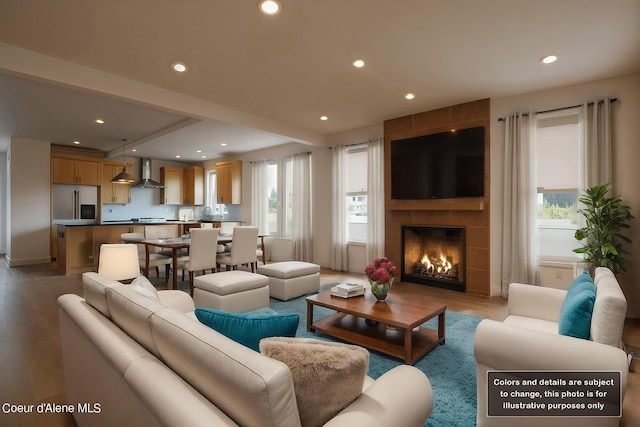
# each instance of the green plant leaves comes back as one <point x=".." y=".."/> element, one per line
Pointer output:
<point x="604" y="219"/>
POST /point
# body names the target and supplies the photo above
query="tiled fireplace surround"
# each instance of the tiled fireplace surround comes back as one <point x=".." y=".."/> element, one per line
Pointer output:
<point x="470" y="213"/>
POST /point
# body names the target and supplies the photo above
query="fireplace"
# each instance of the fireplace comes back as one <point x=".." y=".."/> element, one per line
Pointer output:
<point x="434" y="256"/>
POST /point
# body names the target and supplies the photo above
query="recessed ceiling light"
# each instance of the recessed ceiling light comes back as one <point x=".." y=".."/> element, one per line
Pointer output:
<point x="269" y="7"/>
<point x="178" y="156"/>
<point x="324" y="118"/>
<point x="133" y="149"/>
<point x="76" y="142"/>
<point x="224" y="144"/>
<point x="99" y="121"/>
<point x="198" y="151"/>
<point x="204" y="157"/>
<point x="549" y="59"/>
<point x="179" y="67"/>
<point x="409" y="96"/>
<point x="358" y="63"/>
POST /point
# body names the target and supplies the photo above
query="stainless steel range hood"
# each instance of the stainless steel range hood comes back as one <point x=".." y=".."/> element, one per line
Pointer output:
<point x="146" y="181"/>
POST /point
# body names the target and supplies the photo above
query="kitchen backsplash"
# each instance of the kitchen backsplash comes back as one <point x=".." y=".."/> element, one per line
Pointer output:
<point x="145" y="203"/>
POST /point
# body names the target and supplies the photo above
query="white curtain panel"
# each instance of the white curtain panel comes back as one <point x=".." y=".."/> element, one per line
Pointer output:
<point x="259" y="196"/>
<point x="375" y="199"/>
<point x="519" y="212"/>
<point x="596" y="142"/>
<point x="301" y="207"/>
<point x="339" y="228"/>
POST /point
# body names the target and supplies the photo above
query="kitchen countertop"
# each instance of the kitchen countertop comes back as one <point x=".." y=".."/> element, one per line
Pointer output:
<point x="75" y="222"/>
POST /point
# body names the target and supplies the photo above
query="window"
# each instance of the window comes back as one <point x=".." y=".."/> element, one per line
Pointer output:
<point x="216" y="209"/>
<point x="279" y="192"/>
<point x="557" y="144"/>
<point x="356" y="217"/>
<point x="356" y="166"/>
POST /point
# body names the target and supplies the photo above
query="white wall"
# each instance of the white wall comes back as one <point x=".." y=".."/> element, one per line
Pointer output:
<point x="626" y="156"/>
<point x="30" y="202"/>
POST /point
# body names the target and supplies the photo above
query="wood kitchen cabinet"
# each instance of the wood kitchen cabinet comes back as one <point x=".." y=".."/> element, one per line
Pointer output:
<point x="171" y="178"/>
<point x="111" y="193"/>
<point x="79" y="245"/>
<point x="75" y="249"/>
<point x="229" y="182"/>
<point x="193" y="185"/>
<point x="72" y="171"/>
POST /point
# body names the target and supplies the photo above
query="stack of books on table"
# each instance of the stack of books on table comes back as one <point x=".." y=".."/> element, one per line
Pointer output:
<point x="347" y="290"/>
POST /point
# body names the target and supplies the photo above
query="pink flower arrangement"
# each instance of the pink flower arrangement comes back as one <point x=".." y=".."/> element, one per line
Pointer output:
<point x="381" y="270"/>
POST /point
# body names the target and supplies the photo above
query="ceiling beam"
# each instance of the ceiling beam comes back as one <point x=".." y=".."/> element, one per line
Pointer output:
<point x="116" y="152"/>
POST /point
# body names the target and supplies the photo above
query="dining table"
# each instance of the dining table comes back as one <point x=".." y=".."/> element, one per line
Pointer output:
<point x="178" y="243"/>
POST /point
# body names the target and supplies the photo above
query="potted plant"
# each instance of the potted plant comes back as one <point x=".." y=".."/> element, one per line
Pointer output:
<point x="605" y="218"/>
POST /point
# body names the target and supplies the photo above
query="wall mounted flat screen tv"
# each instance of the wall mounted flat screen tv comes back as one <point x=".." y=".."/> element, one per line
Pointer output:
<point x="438" y="166"/>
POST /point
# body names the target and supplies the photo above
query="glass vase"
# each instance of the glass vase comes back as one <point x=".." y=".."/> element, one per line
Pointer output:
<point x="380" y="290"/>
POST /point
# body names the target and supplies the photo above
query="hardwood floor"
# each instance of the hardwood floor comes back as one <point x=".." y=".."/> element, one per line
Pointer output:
<point x="30" y="341"/>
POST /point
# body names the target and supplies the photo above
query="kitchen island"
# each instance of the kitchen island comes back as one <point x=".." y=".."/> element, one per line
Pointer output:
<point x="78" y="243"/>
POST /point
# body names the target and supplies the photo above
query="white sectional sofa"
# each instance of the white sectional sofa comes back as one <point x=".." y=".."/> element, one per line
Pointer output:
<point x="528" y="340"/>
<point x="152" y="363"/>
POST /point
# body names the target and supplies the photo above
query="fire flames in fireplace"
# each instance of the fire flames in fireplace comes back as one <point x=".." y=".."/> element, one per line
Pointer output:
<point x="439" y="267"/>
<point x="434" y="256"/>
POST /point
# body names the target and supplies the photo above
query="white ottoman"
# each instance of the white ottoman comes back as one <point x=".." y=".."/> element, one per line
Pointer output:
<point x="237" y="291"/>
<point x="290" y="279"/>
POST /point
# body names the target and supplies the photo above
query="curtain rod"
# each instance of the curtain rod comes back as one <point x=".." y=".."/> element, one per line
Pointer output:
<point x="355" y="143"/>
<point x="268" y="160"/>
<point x="612" y="100"/>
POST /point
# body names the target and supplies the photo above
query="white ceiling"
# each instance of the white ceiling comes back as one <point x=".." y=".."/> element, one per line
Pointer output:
<point x="257" y="81"/>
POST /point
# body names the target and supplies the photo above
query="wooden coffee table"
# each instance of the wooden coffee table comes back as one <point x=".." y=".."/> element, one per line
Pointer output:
<point x="398" y="332"/>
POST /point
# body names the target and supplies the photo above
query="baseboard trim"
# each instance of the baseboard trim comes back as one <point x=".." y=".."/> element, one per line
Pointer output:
<point x="26" y="261"/>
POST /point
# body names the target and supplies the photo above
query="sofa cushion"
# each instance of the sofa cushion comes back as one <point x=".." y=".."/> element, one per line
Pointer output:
<point x="143" y="286"/>
<point x="532" y="323"/>
<point x="577" y="308"/>
<point x="249" y="328"/>
<point x="252" y="389"/>
<point x="609" y="309"/>
<point x="327" y="376"/>
<point x="132" y="312"/>
<point x="94" y="289"/>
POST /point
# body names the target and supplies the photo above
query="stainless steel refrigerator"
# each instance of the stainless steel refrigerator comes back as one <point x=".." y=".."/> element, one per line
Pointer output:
<point x="75" y="202"/>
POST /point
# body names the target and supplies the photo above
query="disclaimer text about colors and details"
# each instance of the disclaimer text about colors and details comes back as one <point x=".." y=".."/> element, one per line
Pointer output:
<point x="554" y="393"/>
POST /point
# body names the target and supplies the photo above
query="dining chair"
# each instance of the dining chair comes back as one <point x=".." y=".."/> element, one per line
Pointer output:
<point x="226" y="228"/>
<point x="119" y="261"/>
<point x="202" y="253"/>
<point x="156" y="259"/>
<point x="243" y="249"/>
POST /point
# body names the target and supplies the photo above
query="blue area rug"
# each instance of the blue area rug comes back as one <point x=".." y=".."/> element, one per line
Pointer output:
<point x="451" y="368"/>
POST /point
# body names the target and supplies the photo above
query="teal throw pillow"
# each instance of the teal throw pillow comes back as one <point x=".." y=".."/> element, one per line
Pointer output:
<point x="577" y="308"/>
<point x="249" y="328"/>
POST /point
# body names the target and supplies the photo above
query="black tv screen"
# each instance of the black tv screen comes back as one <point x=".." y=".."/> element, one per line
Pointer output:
<point x="438" y="166"/>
